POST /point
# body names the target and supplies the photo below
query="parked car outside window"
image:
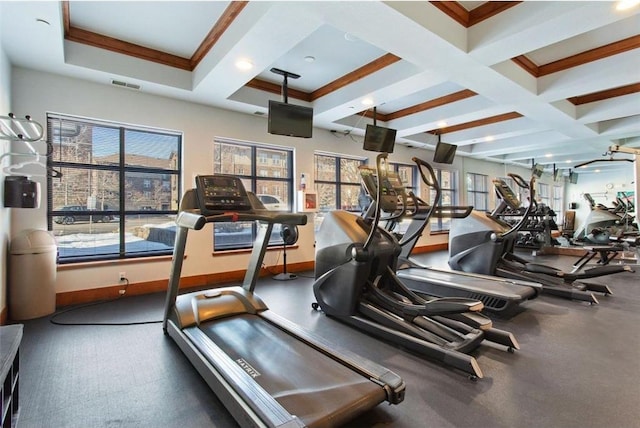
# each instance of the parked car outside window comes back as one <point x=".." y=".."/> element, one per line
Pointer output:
<point x="272" y="202"/>
<point x="80" y="214"/>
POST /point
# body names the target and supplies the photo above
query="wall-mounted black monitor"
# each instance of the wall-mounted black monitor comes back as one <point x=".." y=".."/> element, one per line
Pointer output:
<point x="290" y="120"/>
<point x="537" y="170"/>
<point x="445" y="153"/>
<point x="379" y="139"/>
<point x="573" y="177"/>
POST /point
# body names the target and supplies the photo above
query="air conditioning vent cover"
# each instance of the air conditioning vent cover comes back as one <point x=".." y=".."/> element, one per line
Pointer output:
<point x="125" y="84"/>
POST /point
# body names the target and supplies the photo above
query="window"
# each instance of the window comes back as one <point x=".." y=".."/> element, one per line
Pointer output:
<point x="119" y="191"/>
<point x="477" y="193"/>
<point x="543" y="194"/>
<point x="448" y="181"/>
<point x="265" y="170"/>
<point x="556" y="203"/>
<point x="337" y="184"/>
<point x="407" y="174"/>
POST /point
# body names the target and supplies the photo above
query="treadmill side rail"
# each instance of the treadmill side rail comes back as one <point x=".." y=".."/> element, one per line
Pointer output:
<point x="392" y="383"/>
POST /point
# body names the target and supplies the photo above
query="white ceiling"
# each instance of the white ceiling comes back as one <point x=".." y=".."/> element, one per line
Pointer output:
<point x="456" y="77"/>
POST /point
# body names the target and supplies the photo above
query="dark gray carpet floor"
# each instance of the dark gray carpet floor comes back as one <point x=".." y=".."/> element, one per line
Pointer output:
<point x="578" y="366"/>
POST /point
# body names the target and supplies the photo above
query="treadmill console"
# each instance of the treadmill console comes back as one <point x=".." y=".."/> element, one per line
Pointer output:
<point x="221" y="193"/>
<point x="506" y="194"/>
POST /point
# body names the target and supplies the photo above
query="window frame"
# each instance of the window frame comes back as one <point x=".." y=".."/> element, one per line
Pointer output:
<point x="257" y="163"/>
<point x="543" y="194"/>
<point x="557" y="201"/>
<point x="440" y="225"/>
<point x="337" y="182"/>
<point x="121" y="168"/>
<point x="473" y="193"/>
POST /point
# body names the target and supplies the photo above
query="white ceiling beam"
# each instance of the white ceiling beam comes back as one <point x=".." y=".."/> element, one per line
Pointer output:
<point x="533" y="25"/>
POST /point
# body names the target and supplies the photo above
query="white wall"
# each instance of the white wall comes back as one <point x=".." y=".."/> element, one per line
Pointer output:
<point x="5" y="214"/>
<point x="37" y="93"/>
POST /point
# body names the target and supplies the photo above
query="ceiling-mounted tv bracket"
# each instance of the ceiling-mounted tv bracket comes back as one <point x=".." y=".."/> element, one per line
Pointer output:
<point x="622" y="149"/>
<point x="374" y="115"/>
<point x="286" y="75"/>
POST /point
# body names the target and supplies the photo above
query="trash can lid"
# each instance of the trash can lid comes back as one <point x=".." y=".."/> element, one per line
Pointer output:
<point x="32" y="241"/>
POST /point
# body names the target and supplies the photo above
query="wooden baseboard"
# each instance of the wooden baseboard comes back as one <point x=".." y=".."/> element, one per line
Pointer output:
<point x="431" y="248"/>
<point x="147" y="287"/>
<point x="138" y="288"/>
<point x="565" y="251"/>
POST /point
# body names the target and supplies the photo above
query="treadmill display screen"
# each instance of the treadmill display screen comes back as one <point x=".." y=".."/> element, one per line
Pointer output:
<point x="219" y="193"/>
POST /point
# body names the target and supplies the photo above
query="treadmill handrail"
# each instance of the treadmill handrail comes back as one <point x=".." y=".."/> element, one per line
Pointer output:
<point x="194" y="219"/>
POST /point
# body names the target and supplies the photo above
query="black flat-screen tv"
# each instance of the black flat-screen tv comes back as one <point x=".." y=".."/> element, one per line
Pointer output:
<point x="379" y="139"/>
<point x="537" y="170"/>
<point x="573" y="177"/>
<point x="290" y="120"/>
<point x="445" y="153"/>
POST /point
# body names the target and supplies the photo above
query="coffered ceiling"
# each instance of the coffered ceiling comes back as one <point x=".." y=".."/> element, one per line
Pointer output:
<point x="548" y="82"/>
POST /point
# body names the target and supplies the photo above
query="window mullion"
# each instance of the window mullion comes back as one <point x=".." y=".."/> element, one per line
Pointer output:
<point x="123" y="195"/>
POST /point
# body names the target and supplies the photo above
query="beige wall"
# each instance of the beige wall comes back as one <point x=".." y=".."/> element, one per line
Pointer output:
<point x="5" y="214"/>
<point x="37" y="93"/>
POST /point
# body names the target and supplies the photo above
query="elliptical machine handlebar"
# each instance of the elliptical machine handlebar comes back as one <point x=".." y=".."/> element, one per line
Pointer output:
<point x="376" y="216"/>
<point x="521" y="182"/>
<point x="430" y="181"/>
<point x="530" y="186"/>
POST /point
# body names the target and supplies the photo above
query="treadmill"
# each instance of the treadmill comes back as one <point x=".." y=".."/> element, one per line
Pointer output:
<point x="266" y="370"/>
<point x="500" y="296"/>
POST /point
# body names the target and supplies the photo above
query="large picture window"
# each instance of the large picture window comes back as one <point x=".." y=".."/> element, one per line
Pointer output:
<point x="408" y="175"/>
<point x="265" y="170"/>
<point x="448" y="181"/>
<point x="337" y="182"/>
<point x="556" y="203"/>
<point x="543" y="194"/>
<point x="119" y="191"/>
<point x="477" y="192"/>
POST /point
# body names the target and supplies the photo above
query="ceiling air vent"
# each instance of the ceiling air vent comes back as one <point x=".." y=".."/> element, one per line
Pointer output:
<point x="125" y="84"/>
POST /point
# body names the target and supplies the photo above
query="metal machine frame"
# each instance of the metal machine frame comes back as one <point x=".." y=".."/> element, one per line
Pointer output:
<point x="189" y="320"/>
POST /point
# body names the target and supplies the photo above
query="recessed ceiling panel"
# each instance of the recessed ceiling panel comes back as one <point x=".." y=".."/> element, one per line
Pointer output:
<point x="424" y="95"/>
<point x="611" y="33"/>
<point x="177" y="27"/>
<point x="326" y="55"/>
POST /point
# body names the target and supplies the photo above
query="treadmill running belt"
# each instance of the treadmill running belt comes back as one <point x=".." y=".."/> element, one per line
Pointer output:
<point x="318" y="390"/>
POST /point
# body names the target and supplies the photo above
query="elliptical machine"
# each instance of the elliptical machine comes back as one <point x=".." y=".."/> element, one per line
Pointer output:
<point x="356" y="283"/>
<point x="499" y="296"/>
<point x="481" y="243"/>
<point x="604" y="225"/>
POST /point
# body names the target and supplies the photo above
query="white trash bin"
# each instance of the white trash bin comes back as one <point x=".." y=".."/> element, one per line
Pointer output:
<point x="32" y="275"/>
